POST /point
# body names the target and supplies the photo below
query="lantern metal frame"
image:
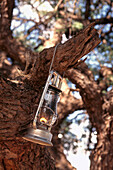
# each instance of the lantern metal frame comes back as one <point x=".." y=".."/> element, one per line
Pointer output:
<point x="43" y="135"/>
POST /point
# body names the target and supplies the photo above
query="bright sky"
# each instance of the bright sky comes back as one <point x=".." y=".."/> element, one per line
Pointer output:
<point x="80" y="160"/>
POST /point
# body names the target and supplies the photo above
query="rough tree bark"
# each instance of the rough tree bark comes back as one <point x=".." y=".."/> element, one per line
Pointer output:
<point x="19" y="98"/>
<point x="100" y="110"/>
<point x="18" y="101"/>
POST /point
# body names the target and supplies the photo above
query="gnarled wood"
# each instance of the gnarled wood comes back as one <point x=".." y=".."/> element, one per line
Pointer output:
<point x="17" y="106"/>
<point x="90" y="92"/>
<point x="100" y="111"/>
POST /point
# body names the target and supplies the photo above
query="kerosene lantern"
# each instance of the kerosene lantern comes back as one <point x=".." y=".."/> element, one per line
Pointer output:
<point x="46" y="114"/>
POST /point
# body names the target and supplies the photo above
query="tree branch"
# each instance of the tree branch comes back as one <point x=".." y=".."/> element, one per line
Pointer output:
<point x="11" y="5"/>
<point x="67" y="54"/>
<point x="6" y="16"/>
<point x="108" y="102"/>
<point x="87" y="12"/>
<point x="104" y="20"/>
<point x="110" y="96"/>
<point x="68" y="103"/>
<point x="105" y="77"/>
<point x="90" y="92"/>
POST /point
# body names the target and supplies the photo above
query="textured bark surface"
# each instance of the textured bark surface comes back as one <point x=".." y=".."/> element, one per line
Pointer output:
<point x="19" y="100"/>
<point x="19" y="97"/>
<point x="16" y="112"/>
<point x="90" y="92"/>
<point x="18" y="155"/>
<point x="100" y="110"/>
<point x="102" y="156"/>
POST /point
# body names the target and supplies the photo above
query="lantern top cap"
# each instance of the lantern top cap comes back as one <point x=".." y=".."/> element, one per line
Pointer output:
<point x="56" y="80"/>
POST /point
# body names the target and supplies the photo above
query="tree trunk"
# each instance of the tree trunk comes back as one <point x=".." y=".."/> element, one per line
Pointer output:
<point x="102" y="156"/>
<point x="100" y="111"/>
<point x="16" y="112"/>
<point x="16" y="154"/>
<point x="19" y="98"/>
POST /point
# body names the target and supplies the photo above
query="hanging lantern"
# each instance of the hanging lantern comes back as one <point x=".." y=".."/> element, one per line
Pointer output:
<point x="46" y="114"/>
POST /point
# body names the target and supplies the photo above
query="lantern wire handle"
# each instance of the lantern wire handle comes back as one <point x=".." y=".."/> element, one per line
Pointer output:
<point x="45" y="88"/>
<point x="53" y="57"/>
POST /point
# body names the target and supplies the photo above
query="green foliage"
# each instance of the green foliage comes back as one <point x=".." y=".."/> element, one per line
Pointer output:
<point x="40" y="48"/>
<point x="77" y="25"/>
<point x="62" y="30"/>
